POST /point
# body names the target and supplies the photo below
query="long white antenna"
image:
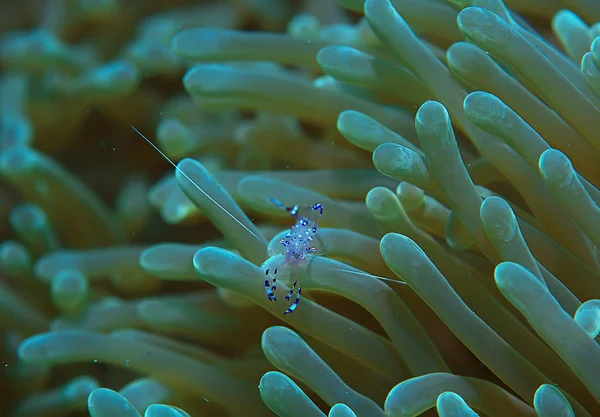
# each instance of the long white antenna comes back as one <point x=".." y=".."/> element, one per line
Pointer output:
<point x="197" y="186"/>
<point x="239" y="222"/>
<point x="397" y="281"/>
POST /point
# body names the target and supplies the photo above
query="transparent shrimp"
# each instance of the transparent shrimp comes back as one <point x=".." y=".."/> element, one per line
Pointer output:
<point x="298" y="244"/>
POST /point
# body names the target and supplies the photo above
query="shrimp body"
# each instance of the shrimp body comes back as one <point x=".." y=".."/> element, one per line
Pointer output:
<point x="298" y="249"/>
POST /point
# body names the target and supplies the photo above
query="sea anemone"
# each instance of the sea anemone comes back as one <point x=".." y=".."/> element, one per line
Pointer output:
<point x="451" y="146"/>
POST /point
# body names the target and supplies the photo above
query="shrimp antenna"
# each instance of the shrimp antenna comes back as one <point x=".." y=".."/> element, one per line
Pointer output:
<point x="397" y="281"/>
<point x="196" y="185"/>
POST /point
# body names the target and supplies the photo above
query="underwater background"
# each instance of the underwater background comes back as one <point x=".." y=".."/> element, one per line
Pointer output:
<point x="439" y="161"/>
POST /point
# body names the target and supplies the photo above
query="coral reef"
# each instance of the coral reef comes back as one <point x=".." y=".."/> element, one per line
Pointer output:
<point x="453" y="146"/>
